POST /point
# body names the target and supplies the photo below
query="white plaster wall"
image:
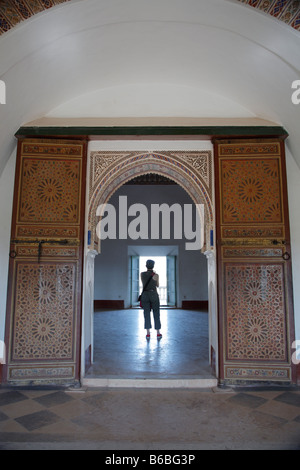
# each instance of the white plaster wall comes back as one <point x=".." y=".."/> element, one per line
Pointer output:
<point x="235" y="57"/>
<point x="6" y="197"/>
<point x="111" y="266"/>
<point x="145" y="100"/>
<point x="87" y="336"/>
<point x="293" y="176"/>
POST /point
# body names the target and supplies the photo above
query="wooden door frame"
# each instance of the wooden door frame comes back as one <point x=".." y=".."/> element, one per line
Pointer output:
<point x="163" y="132"/>
<point x="77" y="260"/>
<point x="220" y="276"/>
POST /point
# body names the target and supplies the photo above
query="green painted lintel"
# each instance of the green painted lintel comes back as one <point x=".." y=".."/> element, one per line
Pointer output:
<point x="213" y="131"/>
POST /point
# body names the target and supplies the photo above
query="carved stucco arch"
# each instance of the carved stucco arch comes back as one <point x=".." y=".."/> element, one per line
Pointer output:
<point x="192" y="170"/>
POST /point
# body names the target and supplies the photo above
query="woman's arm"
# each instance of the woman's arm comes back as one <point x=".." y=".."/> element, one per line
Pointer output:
<point x="156" y="279"/>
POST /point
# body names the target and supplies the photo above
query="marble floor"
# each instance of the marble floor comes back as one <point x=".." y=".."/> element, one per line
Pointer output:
<point x="149" y="420"/>
<point x="115" y="418"/>
<point x="121" y="348"/>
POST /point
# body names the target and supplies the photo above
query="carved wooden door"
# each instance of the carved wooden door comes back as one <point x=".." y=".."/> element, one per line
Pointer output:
<point x="44" y="294"/>
<point x="254" y="265"/>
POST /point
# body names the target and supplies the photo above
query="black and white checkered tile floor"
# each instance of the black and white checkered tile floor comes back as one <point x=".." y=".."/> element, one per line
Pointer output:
<point x="149" y="419"/>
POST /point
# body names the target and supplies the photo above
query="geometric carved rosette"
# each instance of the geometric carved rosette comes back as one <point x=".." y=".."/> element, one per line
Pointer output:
<point x="255" y="312"/>
<point x="44" y="312"/>
<point x="251" y="191"/>
<point x="50" y="191"/>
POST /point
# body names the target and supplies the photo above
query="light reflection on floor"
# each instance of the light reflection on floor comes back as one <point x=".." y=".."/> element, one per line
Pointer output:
<point x="121" y="348"/>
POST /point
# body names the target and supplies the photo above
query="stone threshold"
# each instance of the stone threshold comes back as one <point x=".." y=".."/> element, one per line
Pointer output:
<point x="112" y="382"/>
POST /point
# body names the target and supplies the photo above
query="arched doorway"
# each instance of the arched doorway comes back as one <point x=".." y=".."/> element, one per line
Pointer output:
<point x="109" y="170"/>
<point x="252" y="242"/>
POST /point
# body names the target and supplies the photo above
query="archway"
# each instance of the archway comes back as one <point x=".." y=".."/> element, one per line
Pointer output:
<point x="110" y="170"/>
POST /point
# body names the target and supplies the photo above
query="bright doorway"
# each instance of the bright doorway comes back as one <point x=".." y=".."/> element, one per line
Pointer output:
<point x="192" y="172"/>
<point x="165" y="267"/>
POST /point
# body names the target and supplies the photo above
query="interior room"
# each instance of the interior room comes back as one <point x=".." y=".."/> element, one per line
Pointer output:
<point x="120" y="346"/>
<point x="125" y="105"/>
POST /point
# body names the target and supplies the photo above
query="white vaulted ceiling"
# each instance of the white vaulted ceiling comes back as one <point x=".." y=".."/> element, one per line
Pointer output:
<point x="149" y="59"/>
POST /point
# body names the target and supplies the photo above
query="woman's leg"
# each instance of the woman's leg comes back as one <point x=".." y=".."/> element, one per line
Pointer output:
<point x="147" y="309"/>
<point x="156" y="310"/>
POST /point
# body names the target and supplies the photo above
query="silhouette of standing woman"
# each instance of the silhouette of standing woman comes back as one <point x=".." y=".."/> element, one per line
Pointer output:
<point x="150" y="298"/>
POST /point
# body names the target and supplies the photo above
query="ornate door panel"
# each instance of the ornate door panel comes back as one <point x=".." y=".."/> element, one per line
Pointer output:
<point x="254" y="267"/>
<point x="44" y="296"/>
